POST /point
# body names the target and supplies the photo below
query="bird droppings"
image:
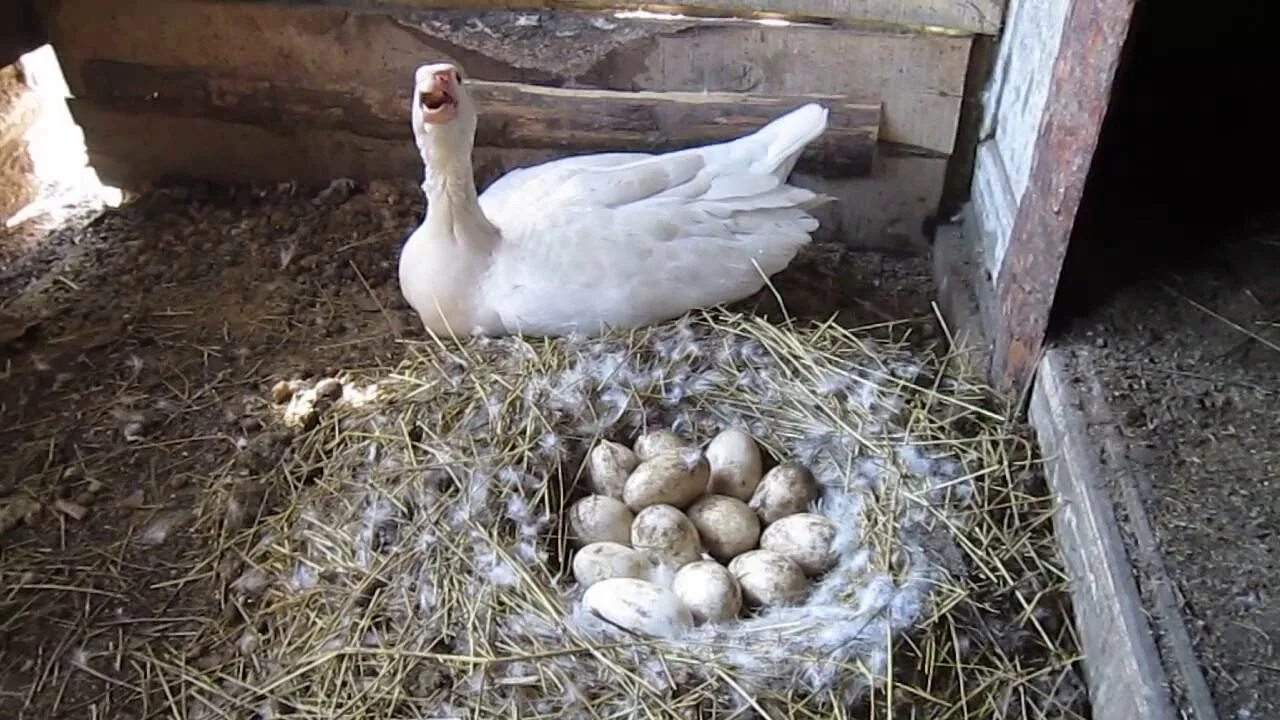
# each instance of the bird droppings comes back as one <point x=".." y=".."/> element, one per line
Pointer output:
<point x="267" y="542"/>
<point x="71" y="508"/>
<point x="158" y="531"/>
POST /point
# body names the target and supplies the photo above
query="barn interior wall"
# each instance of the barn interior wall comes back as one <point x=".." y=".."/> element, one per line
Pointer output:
<point x="346" y="62"/>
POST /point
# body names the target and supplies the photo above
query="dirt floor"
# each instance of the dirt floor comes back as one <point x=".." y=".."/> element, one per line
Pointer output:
<point x="133" y="353"/>
<point x="1189" y="359"/>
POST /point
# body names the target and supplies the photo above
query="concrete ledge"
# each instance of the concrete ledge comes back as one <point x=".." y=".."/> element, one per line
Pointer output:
<point x="964" y="292"/>
<point x="1126" y="677"/>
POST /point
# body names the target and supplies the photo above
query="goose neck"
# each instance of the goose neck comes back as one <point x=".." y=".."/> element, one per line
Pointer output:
<point x="452" y="200"/>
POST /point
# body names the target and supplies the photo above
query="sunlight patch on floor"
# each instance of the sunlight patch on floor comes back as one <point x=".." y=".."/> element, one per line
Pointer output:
<point x="68" y="184"/>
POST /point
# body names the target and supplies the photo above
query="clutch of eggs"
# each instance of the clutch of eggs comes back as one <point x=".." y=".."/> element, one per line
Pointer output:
<point x="674" y="535"/>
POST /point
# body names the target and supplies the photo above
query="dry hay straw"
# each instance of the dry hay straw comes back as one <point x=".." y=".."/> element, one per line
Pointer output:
<point x="414" y="563"/>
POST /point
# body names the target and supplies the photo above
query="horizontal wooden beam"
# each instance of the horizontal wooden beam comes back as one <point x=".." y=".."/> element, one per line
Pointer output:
<point x="131" y="151"/>
<point x="918" y="79"/>
<point x="973" y="16"/>
<point x="515" y="115"/>
<point x="512" y="115"/>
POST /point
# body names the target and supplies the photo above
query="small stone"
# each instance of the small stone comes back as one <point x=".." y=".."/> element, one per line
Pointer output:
<point x="159" y="529"/>
<point x="133" y="500"/>
<point x="15" y="510"/>
<point x="329" y="389"/>
<point x="134" y="431"/>
<point x="85" y="497"/>
<point x="337" y="193"/>
<point x="281" y="392"/>
<point x="71" y="508"/>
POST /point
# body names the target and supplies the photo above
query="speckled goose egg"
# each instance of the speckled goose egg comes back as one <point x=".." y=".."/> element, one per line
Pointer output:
<point x="806" y="538"/>
<point x="667" y="535"/>
<point x="709" y="590"/>
<point x="769" y="579"/>
<point x="670" y="478"/>
<point x="597" y="518"/>
<point x="604" y="560"/>
<point x="655" y="442"/>
<point x="736" y="465"/>
<point x="638" y="606"/>
<point x="608" y="466"/>
<point x="726" y="526"/>
<point x="785" y="490"/>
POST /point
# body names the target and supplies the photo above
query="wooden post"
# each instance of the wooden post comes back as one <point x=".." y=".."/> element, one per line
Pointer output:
<point x="1079" y="93"/>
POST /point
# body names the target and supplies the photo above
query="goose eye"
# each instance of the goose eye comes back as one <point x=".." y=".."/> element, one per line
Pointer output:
<point x="457" y="77"/>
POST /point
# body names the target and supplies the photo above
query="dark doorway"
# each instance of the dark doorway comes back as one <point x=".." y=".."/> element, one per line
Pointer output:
<point x="1186" y="161"/>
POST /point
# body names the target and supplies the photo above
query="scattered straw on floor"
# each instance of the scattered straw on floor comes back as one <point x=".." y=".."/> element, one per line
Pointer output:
<point x="404" y="556"/>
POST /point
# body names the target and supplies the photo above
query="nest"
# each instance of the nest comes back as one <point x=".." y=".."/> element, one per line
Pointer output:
<point x="414" y="564"/>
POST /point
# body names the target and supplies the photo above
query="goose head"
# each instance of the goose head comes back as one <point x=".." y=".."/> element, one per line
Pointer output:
<point x="444" y="116"/>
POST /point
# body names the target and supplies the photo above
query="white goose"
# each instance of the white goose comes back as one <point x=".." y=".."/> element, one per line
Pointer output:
<point x="613" y="240"/>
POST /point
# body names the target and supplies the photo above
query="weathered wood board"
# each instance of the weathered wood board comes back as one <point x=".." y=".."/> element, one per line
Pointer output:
<point x="511" y="114"/>
<point x="1122" y="662"/>
<point x="1079" y="92"/>
<point x="977" y="16"/>
<point x="917" y="78"/>
<point x="1013" y="116"/>
<point x="129" y="149"/>
<point x="887" y="210"/>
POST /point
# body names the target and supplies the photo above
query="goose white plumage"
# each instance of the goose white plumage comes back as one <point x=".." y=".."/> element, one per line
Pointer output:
<point x="611" y="240"/>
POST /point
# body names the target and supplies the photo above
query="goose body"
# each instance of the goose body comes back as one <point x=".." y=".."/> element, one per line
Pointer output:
<point x="612" y="240"/>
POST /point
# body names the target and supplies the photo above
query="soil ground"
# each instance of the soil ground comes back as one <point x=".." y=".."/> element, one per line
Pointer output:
<point x="1189" y="359"/>
<point x="134" y="350"/>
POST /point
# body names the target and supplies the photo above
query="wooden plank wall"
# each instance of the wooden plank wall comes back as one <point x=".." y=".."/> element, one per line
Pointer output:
<point x="972" y="16"/>
<point x="365" y="52"/>
<point x="1012" y="118"/>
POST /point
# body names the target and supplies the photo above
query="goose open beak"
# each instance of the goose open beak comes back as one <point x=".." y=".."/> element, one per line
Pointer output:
<point x="438" y="97"/>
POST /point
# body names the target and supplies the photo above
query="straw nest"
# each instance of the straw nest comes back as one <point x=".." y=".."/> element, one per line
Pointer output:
<point x="413" y="562"/>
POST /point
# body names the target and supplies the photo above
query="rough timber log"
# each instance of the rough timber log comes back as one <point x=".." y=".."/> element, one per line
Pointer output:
<point x="512" y="115"/>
